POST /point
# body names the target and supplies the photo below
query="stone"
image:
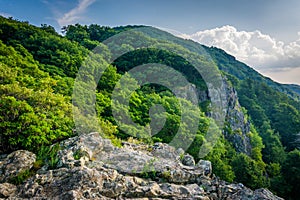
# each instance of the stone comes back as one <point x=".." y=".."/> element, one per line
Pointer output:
<point x="188" y="160"/>
<point x="265" y="194"/>
<point x="7" y="190"/>
<point x="206" y="166"/>
<point x="14" y="163"/>
<point x="237" y="121"/>
<point x="165" y="151"/>
<point x="90" y="167"/>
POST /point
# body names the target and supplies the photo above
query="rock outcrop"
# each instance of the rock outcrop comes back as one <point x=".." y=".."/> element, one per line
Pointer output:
<point x="237" y="126"/>
<point x="90" y="167"/>
<point x="15" y="163"/>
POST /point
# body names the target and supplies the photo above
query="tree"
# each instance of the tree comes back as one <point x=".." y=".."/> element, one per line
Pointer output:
<point x="288" y="127"/>
<point x="291" y="173"/>
<point x="249" y="172"/>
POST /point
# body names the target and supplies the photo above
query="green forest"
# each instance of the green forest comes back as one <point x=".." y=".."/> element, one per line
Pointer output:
<point x="37" y="77"/>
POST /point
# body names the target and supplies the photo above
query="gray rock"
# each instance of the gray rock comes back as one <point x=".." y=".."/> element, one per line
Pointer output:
<point x="90" y="167"/>
<point x="236" y="122"/>
<point x="188" y="160"/>
<point x="7" y="190"/>
<point x="165" y="151"/>
<point x="161" y="160"/>
<point x="206" y="166"/>
<point x="265" y="194"/>
<point x="15" y="163"/>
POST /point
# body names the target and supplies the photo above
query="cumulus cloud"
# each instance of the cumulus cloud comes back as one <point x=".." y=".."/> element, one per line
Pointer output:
<point x="258" y="50"/>
<point x="75" y="14"/>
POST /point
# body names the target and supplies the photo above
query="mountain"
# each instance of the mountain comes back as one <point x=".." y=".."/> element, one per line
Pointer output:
<point x="49" y="93"/>
<point x="294" y="87"/>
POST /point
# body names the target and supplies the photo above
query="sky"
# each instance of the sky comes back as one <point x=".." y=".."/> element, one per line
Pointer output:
<point x="265" y="34"/>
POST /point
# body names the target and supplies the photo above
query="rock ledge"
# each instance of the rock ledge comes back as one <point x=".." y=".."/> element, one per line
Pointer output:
<point x="90" y="167"/>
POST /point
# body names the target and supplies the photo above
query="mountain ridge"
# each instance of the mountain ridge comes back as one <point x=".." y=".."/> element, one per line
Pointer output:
<point x="38" y="68"/>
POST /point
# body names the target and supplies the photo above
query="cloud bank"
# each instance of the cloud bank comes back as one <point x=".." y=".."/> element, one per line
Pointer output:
<point x="260" y="51"/>
<point x="75" y="14"/>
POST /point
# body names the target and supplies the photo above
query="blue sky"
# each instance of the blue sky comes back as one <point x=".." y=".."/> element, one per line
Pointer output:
<point x="262" y="33"/>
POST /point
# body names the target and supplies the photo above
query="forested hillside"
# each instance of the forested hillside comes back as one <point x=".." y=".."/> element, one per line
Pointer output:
<point x="39" y="67"/>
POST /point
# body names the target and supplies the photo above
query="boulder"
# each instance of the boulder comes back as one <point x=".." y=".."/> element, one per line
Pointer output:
<point x="188" y="160"/>
<point x="14" y="163"/>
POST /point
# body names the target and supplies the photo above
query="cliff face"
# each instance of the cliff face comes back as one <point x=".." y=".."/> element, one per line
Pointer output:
<point x="236" y="126"/>
<point x="90" y="167"/>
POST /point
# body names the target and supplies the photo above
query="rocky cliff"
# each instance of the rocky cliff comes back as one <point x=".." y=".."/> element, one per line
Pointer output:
<point x="237" y="124"/>
<point x="90" y="167"/>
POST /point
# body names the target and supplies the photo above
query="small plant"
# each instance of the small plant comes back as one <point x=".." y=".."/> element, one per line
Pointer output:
<point x="52" y="158"/>
<point x="149" y="149"/>
<point x="47" y="155"/>
<point x="181" y="156"/>
<point x="133" y="140"/>
<point x="149" y="170"/>
<point x="156" y="139"/>
<point x="166" y="175"/>
<point x="134" y="171"/>
<point x="204" y="187"/>
<point x="79" y="154"/>
<point x="38" y="164"/>
<point x="21" y="177"/>
<point x="117" y="142"/>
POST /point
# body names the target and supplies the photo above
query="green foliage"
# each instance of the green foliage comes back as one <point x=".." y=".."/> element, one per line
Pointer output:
<point x="37" y="71"/>
<point x="152" y="55"/>
<point x="59" y="55"/>
<point x="291" y="173"/>
<point x="268" y="106"/>
<point x="257" y="144"/>
<point x="273" y="151"/>
<point x="21" y="177"/>
<point x="249" y="171"/>
<point x="220" y="157"/>
<point x="148" y="170"/>
<point x="48" y="155"/>
<point x="79" y="154"/>
<point x="156" y="139"/>
<point x="166" y="175"/>
<point x="288" y="127"/>
<point x="30" y="118"/>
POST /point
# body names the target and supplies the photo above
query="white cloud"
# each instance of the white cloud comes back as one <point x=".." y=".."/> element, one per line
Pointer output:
<point x="75" y="14"/>
<point x="5" y="14"/>
<point x="258" y="50"/>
